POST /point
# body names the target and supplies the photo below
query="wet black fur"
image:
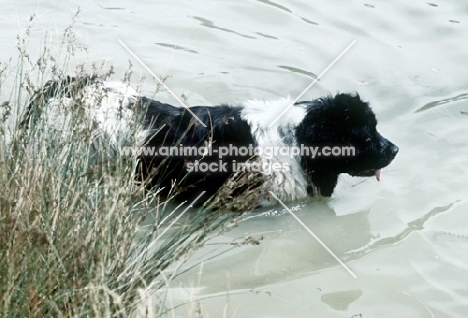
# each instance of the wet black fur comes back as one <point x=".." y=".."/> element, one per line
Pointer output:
<point x="173" y="126"/>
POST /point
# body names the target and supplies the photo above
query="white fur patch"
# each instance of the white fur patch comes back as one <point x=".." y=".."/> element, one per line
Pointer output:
<point x="109" y="115"/>
<point x="288" y="185"/>
<point x="108" y="104"/>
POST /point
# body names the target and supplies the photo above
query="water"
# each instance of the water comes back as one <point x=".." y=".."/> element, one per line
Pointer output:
<point x="406" y="237"/>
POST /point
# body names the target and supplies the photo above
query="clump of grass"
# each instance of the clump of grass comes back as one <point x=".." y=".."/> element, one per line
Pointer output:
<point x="245" y="185"/>
<point x="71" y="242"/>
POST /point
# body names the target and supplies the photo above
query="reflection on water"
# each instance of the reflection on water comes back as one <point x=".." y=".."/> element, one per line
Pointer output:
<point x="404" y="237"/>
<point x="341" y="300"/>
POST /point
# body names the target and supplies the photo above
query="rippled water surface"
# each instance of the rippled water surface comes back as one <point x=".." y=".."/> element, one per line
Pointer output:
<point x="405" y="237"/>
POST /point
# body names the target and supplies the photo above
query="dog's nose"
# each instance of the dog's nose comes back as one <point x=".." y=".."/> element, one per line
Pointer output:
<point x="394" y="150"/>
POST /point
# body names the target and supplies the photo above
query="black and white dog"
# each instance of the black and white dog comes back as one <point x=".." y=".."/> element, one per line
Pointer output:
<point x="300" y="153"/>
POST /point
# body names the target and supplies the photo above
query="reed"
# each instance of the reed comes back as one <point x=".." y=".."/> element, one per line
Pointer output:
<point x="78" y="236"/>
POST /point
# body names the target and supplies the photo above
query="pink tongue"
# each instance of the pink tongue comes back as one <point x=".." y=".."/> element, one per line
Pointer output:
<point x="377" y="174"/>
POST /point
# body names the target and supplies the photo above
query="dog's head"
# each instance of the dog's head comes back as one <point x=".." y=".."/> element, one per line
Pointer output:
<point x="343" y="128"/>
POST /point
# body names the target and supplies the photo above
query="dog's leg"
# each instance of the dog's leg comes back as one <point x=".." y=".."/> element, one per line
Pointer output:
<point x="324" y="182"/>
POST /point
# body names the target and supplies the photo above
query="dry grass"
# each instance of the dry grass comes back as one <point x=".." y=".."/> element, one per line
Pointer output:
<point x="69" y="230"/>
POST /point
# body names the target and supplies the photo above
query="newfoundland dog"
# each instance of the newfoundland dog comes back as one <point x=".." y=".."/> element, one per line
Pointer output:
<point x="297" y="152"/>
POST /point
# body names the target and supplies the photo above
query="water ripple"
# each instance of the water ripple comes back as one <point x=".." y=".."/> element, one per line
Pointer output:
<point x="442" y="102"/>
<point x="176" y="47"/>
<point x="210" y="24"/>
<point x="275" y="5"/>
<point x="298" y="70"/>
